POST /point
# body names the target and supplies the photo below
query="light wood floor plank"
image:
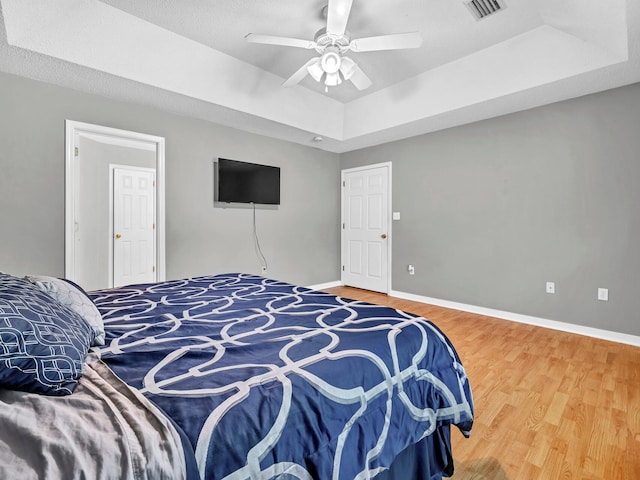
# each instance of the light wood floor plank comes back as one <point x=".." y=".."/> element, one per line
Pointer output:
<point x="549" y="405"/>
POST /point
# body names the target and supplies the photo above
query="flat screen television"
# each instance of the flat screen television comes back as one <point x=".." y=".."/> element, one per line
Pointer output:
<point x="243" y="182"/>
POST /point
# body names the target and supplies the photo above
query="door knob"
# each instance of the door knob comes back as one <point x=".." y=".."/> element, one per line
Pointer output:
<point x="384" y="235"/>
<point x="118" y="235"/>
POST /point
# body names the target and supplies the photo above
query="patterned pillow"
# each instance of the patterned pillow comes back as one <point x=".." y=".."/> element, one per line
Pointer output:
<point x="73" y="296"/>
<point x="43" y="344"/>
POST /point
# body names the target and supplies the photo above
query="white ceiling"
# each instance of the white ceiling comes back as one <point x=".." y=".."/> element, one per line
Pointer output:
<point x="190" y="57"/>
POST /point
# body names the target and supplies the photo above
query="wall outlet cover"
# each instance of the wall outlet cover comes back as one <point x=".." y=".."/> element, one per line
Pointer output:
<point x="603" y="294"/>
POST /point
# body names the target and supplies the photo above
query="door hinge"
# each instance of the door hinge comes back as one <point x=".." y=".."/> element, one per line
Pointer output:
<point x="154" y="183"/>
<point x="343" y="183"/>
<point x="343" y="268"/>
<point x="153" y="269"/>
<point x="75" y="151"/>
<point x="343" y="226"/>
<point x="153" y="227"/>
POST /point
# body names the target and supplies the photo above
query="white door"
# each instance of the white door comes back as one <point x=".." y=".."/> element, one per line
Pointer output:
<point x="365" y="227"/>
<point x="133" y="226"/>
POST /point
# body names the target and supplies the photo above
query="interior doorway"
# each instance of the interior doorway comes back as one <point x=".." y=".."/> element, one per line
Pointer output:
<point x="90" y="243"/>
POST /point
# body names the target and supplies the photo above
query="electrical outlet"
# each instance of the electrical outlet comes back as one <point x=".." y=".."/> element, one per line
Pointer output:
<point x="603" y="294"/>
<point x="411" y="269"/>
<point x="551" y="287"/>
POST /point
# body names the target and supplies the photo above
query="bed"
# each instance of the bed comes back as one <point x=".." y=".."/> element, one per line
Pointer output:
<point x="245" y="377"/>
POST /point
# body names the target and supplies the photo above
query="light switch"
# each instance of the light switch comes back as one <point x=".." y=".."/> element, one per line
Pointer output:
<point x="396" y="215"/>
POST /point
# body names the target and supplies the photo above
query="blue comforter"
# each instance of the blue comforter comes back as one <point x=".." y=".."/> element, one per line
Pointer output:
<point x="270" y="380"/>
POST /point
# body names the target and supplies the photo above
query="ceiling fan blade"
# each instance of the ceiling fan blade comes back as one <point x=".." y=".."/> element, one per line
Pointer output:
<point x="300" y="73"/>
<point x="283" y="41"/>
<point x="354" y="73"/>
<point x="338" y="16"/>
<point x="386" y="42"/>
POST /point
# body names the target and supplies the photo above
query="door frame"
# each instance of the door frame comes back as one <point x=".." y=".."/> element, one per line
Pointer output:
<point x="73" y="130"/>
<point x="111" y="257"/>
<point x="343" y="248"/>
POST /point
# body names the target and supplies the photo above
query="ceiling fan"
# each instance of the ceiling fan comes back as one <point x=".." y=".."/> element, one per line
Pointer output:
<point x="331" y="43"/>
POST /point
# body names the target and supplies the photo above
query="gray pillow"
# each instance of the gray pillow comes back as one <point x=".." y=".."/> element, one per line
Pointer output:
<point x="75" y="298"/>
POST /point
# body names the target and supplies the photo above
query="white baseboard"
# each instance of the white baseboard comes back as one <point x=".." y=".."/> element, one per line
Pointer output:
<point x="322" y="286"/>
<point x="516" y="317"/>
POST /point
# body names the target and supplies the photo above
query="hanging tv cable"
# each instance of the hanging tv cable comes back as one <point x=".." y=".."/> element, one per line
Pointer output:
<point x="261" y="257"/>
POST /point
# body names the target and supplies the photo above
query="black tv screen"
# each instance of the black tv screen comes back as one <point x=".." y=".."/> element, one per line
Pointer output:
<point x="243" y="182"/>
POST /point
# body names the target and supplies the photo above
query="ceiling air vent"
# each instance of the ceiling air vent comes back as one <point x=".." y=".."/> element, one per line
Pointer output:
<point x="483" y="8"/>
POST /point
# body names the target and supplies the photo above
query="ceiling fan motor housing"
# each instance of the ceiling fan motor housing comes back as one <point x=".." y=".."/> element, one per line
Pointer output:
<point x="330" y="47"/>
<point x="324" y="40"/>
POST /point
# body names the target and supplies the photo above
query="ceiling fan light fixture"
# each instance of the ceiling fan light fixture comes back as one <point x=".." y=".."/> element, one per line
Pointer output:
<point x="332" y="79"/>
<point x="315" y="70"/>
<point x="348" y="68"/>
<point x="330" y="62"/>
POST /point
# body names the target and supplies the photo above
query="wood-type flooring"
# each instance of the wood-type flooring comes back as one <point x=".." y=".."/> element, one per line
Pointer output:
<point x="548" y="404"/>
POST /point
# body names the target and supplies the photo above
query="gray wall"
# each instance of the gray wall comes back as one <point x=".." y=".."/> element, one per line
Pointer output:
<point x="492" y="210"/>
<point x="300" y="238"/>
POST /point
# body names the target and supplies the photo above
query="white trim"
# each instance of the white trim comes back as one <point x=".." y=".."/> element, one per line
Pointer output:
<point x="73" y="130"/>
<point x="322" y="286"/>
<point x="389" y="166"/>
<point x="529" y="320"/>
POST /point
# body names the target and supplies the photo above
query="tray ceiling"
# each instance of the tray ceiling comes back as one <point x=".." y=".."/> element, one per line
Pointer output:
<point x="190" y="57"/>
